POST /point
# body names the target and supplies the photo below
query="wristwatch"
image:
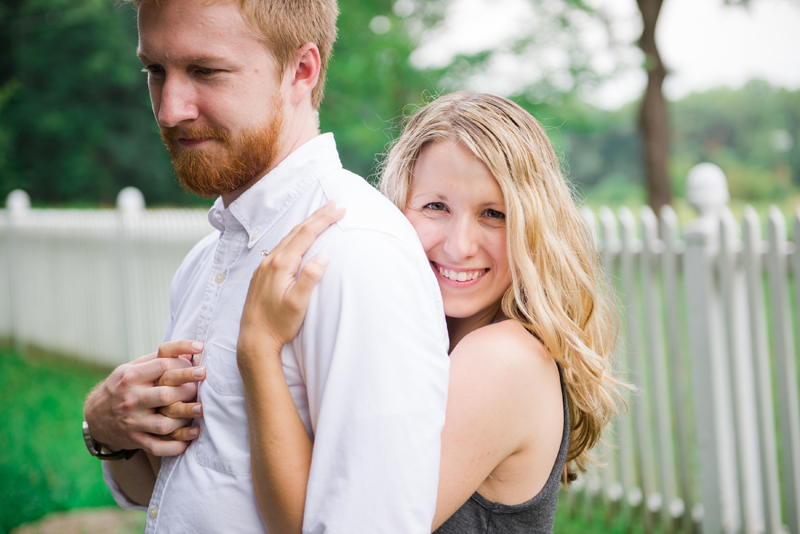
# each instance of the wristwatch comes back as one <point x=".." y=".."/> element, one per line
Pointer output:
<point x="95" y="448"/>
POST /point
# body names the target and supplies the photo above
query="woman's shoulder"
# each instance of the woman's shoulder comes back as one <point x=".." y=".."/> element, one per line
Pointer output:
<point x="507" y="351"/>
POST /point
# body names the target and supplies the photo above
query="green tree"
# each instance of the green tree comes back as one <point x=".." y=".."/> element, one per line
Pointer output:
<point x="75" y="118"/>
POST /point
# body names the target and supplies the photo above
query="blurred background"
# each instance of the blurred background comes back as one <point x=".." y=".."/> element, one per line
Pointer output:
<point x="633" y="95"/>
<point x="76" y="125"/>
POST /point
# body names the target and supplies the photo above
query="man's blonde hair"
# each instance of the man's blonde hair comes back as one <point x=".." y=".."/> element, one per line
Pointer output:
<point x="286" y="25"/>
<point x="557" y="288"/>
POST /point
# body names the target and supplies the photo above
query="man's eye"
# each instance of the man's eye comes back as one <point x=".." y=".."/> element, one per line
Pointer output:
<point x="494" y="214"/>
<point x="436" y="206"/>
<point x="153" y="70"/>
<point x="205" y="72"/>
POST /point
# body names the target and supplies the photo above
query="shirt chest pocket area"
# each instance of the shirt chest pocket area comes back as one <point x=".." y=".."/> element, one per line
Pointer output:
<point x="223" y="444"/>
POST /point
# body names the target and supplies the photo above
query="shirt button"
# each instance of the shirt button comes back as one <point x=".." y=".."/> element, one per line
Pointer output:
<point x="154" y="512"/>
<point x="198" y="358"/>
<point x="220" y="278"/>
<point x="254" y="236"/>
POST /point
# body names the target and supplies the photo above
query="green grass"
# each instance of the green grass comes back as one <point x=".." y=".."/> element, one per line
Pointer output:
<point x="44" y="466"/>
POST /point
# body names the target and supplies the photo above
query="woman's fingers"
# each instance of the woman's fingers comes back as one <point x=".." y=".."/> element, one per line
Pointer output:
<point x="185" y="433"/>
<point x="182" y="410"/>
<point x="173" y="349"/>
<point x="300" y="293"/>
<point x="302" y="236"/>
<point x="177" y="377"/>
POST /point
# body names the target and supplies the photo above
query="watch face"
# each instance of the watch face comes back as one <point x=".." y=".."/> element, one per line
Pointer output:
<point x="87" y="438"/>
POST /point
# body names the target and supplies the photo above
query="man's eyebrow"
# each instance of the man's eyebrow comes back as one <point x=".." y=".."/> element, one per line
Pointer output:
<point x="195" y="59"/>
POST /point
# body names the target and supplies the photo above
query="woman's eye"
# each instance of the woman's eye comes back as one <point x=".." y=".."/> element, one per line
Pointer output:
<point x="494" y="214"/>
<point x="436" y="206"/>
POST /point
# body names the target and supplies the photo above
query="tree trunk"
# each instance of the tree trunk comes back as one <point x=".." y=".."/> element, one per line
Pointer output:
<point x="653" y="119"/>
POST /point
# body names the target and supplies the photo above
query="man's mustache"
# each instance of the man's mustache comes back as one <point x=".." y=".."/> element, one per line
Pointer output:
<point x="170" y="135"/>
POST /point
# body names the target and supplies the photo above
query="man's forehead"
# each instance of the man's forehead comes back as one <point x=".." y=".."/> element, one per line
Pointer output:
<point x="193" y="30"/>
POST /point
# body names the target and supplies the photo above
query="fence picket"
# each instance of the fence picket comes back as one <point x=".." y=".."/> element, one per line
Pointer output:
<point x="651" y="250"/>
<point x="640" y="407"/>
<point x="786" y="371"/>
<point x="623" y="476"/>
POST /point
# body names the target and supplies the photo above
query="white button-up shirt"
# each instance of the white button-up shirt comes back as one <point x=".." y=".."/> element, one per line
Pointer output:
<point x="368" y="371"/>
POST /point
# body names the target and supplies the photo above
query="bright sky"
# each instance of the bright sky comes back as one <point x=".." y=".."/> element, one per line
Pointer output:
<point x="704" y="43"/>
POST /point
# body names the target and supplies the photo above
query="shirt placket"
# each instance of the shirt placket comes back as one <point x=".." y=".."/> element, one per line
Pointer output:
<point x="232" y="241"/>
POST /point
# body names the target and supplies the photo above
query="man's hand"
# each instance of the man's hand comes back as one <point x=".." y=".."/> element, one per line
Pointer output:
<point x="121" y="411"/>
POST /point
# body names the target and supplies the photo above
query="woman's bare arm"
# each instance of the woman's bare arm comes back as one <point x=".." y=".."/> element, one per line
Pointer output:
<point x="280" y="448"/>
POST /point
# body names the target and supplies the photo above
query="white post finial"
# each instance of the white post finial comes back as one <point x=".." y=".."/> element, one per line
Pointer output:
<point x="707" y="189"/>
<point x="130" y="200"/>
<point x="18" y="201"/>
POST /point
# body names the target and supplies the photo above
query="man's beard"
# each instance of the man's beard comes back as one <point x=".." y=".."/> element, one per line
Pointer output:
<point x="244" y="158"/>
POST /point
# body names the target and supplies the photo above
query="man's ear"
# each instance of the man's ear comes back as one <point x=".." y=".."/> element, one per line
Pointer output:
<point x="306" y="72"/>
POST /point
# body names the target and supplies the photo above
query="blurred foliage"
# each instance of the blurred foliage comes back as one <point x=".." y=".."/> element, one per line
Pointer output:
<point x="76" y="124"/>
<point x="752" y="133"/>
<point x="75" y="118"/>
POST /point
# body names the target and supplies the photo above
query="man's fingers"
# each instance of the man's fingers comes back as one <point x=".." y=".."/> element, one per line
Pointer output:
<point x="185" y="433"/>
<point x="177" y="377"/>
<point x="182" y="410"/>
<point x="173" y="349"/>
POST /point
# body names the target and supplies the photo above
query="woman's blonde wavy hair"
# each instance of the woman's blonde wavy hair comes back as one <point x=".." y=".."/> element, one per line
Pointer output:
<point x="557" y="289"/>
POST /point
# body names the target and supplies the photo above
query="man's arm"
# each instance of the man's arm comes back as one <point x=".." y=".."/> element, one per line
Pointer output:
<point x="374" y="354"/>
<point x="122" y="414"/>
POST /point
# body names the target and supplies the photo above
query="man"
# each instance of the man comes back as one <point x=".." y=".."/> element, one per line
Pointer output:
<point x="235" y="88"/>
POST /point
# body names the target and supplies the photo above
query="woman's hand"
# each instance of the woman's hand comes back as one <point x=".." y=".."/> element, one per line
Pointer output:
<point x="278" y="296"/>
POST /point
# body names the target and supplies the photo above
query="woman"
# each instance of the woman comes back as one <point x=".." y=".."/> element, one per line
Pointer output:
<point x="479" y="181"/>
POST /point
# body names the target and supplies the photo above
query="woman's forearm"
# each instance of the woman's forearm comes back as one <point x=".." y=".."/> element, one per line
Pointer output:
<point x="280" y="448"/>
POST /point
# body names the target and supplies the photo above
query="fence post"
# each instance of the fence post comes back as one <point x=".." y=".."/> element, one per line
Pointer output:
<point x="130" y="204"/>
<point x="18" y="203"/>
<point x="707" y="190"/>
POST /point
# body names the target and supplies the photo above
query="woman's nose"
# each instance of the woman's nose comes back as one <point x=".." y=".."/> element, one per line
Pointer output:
<point x="461" y="240"/>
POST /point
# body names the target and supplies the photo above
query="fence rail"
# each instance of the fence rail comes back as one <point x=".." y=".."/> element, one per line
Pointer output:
<point x="711" y="442"/>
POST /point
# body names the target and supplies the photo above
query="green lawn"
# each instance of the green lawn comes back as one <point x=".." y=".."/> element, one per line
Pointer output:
<point x="44" y="466"/>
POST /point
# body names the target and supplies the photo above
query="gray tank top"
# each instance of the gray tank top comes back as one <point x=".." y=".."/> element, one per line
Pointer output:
<point x="481" y="516"/>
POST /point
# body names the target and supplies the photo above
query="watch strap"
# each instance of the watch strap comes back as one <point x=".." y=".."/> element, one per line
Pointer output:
<point x="96" y="448"/>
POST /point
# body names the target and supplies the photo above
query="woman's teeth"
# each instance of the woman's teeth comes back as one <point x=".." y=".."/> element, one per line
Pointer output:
<point x="461" y="276"/>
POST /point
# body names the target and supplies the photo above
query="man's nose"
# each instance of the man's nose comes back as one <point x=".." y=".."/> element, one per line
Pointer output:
<point x="176" y="103"/>
<point x="461" y="241"/>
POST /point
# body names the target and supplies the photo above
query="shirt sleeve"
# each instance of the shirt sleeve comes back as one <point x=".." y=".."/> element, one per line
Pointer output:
<point x="116" y="492"/>
<point x="374" y="353"/>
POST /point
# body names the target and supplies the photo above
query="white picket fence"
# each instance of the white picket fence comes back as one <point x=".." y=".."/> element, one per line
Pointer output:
<point x="91" y="283"/>
<point x="711" y="442"/>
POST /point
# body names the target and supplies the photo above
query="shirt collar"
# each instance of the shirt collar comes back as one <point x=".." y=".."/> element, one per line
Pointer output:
<point x="263" y="204"/>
